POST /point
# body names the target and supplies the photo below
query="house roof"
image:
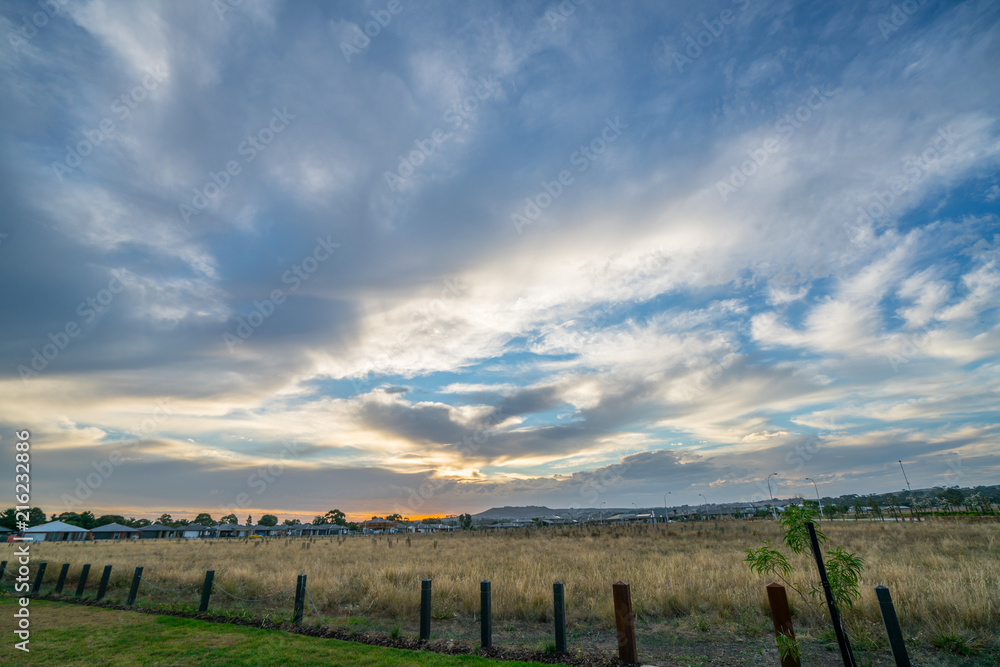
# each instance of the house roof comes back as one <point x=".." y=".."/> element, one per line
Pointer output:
<point x="157" y="526"/>
<point x="55" y="527"/>
<point x="113" y="528"/>
<point x="231" y="526"/>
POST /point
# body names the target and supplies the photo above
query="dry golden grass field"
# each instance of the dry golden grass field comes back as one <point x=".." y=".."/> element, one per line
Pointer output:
<point x="689" y="582"/>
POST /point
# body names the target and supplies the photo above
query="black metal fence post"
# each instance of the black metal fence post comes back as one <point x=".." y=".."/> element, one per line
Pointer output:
<point x="486" y="615"/>
<point x="425" y="609"/>
<point x="892" y="627"/>
<point x="83" y="580"/>
<point x="559" y="603"/>
<point x="61" y="581"/>
<point x="300" y="599"/>
<point x="845" y="644"/>
<point x="103" y="588"/>
<point x="135" y="586"/>
<point x="38" y="577"/>
<point x="206" y="590"/>
<point x="3" y="569"/>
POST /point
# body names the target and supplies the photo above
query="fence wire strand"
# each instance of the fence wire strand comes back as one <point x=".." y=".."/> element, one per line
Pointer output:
<point x="316" y="611"/>
<point x="167" y="590"/>
<point x="235" y="597"/>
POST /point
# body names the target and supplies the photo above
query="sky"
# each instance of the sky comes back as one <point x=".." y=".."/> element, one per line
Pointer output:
<point x="433" y="258"/>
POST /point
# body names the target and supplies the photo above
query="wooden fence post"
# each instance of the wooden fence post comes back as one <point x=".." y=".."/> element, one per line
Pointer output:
<point x="781" y="617"/>
<point x="103" y="588"/>
<point x="135" y="586"/>
<point x="38" y="578"/>
<point x="485" y="615"/>
<point x="61" y="581"/>
<point x="206" y="590"/>
<point x="842" y="640"/>
<point x="300" y="599"/>
<point x="559" y="601"/>
<point x="624" y="622"/>
<point x="425" y="610"/>
<point x="83" y="580"/>
<point x="892" y="627"/>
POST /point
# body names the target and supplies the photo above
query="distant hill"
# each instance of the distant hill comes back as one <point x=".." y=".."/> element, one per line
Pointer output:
<point x="528" y="512"/>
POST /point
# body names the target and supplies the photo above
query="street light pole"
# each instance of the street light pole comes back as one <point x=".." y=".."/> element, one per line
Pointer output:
<point x="907" y="487"/>
<point x="665" y="506"/>
<point x="773" y="512"/>
<point x="808" y="479"/>
<point x="602" y="511"/>
<point x="705" y="499"/>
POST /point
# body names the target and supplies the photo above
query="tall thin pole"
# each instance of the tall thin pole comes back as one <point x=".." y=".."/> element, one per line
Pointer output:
<point x="907" y="487"/>
<point x="773" y="512"/>
<point x="665" y="506"/>
<point x="705" y="499"/>
<point x="809" y="479"/>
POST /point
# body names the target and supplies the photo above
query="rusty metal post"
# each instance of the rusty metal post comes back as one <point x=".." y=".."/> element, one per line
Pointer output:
<point x="624" y="622"/>
<point x="782" y="619"/>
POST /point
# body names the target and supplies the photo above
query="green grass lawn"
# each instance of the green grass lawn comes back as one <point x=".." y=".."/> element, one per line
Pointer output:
<point x="68" y="634"/>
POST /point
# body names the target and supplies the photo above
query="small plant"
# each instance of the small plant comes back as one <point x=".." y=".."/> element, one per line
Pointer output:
<point x="953" y="643"/>
<point x="843" y="567"/>
<point x="394" y="633"/>
<point x="549" y="648"/>
<point x="789" y="647"/>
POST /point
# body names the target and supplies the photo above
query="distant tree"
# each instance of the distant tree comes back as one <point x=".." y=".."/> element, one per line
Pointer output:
<point x="141" y="523"/>
<point x="205" y="519"/>
<point x="249" y="519"/>
<point x="319" y="520"/>
<point x="165" y="519"/>
<point x="229" y="518"/>
<point x="9" y="518"/>
<point x="352" y="526"/>
<point x="430" y="521"/>
<point x="181" y="522"/>
<point x="465" y="521"/>
<point x="952" y="497"/>
<point x="336" y="517"/>
<point x="394" y="517"/>
<point x="292" y="522"/>
<point x="110" y="518"/>
<point x="269" y="520"/>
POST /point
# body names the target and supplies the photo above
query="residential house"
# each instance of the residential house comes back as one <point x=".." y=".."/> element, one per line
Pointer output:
<point x="56" y="531"/>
